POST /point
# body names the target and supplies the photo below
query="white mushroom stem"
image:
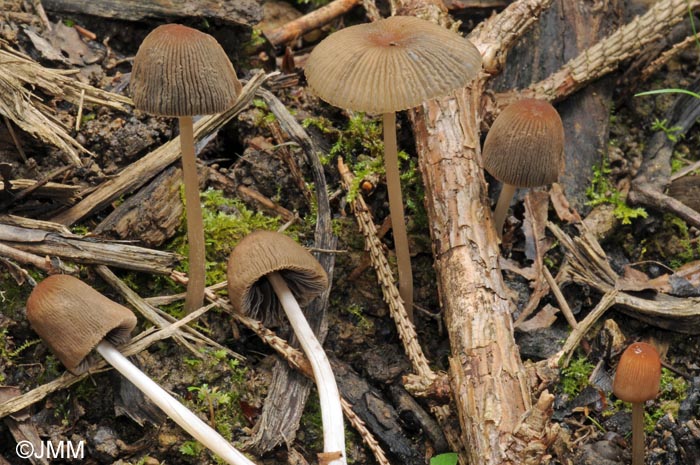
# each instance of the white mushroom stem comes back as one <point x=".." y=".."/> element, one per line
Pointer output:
<point x="328" y="395"/>
<point x="499" y="214"/>
<point x="180" y="414"/>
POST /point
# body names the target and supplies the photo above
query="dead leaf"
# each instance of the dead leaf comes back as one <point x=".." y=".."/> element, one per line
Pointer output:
<point x="543" y="319"/>
<point x="634" y="280"/>
<point x="561" y="204"/>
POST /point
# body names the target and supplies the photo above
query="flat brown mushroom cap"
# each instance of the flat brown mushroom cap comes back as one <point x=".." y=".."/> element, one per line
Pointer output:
<point x="525" y="145"/>
<point x="180" y="71"/>
<point x="638" y="373"/>
<point x="390" y="65"/>
<point x="686" y="190"/>
<point x="72" y="318"/>
<point x="261" y="253"/>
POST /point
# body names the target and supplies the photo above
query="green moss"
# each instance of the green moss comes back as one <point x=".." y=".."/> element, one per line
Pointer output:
<point x="226" y="222"/>
<point x="358" y="316"/>
<point x="575" y="376"/>
<point x="602" y="191"/>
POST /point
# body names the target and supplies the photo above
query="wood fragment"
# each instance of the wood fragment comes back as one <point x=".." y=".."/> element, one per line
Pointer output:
<point x="236" y="13"/>
<point x="314" y="20"/>
<point x="152" y="215"/>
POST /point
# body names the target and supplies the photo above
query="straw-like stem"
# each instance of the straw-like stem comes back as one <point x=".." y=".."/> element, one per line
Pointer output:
<point x="195" y="227"/>
<point x="398" y="223"/>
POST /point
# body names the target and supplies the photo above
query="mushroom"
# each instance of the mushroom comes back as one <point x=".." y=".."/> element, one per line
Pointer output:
<point x="268" y="273"/>
<point x="387" y="66"/>
<point x="180" y="71"/>
<point x="637" y="380"/>
<point x="524" y="148"/>
<point x="73" y="319"/>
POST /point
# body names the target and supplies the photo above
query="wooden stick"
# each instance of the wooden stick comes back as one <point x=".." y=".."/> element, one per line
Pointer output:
<point x="317" y="18"/>
<point x="86" y="250"/>
<point x="43" y="263"/>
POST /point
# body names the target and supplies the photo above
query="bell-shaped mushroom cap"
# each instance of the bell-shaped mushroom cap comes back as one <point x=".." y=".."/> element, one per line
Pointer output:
<point x="638" y="373"/>
<point x="261" y="253"/>
<point x="180" y="71"/>
<point x="525" y="146"/>
<point x="72" y="318"/>
<point x="390" y="65"/>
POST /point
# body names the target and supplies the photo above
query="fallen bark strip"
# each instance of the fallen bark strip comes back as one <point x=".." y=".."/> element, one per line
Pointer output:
<point x="86" y="250"/>
<point x="288" y="391"/>
<point x="369" y="403"/>
<point x="141" y="171"/>
<point x="238" y="12"/>
<point x="314" y="20"/>
<point x="487" y="376"/>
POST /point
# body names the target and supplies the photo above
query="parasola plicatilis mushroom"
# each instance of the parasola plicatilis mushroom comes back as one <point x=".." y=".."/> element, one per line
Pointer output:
<point x="637" y="380"/>
<point x="387" y="66"/>
<point x="523" y="148"/>
<point x="180" y="71"/>
<point x="269" y="273"/>
<point x="73" y="319"/>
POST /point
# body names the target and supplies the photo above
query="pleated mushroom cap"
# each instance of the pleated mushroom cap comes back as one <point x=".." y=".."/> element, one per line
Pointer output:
<point x="261" y="253"/>
<point x="638" y="373"/>
<point x="390" y="65"/>
<point x="525" y="146"/>
<point x="180" y="71"/>
<point x="687" y="190"/>
<point x="72" y="318"/>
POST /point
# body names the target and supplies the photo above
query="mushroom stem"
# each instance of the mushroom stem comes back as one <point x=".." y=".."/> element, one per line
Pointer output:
<point x="398" y="224"/>
<point x="174" y="409"/>
<point x="195" y="227"/>
<point x="328" y="395"/>
<point x="499" y="214"/>
<point x="637" y="433"/>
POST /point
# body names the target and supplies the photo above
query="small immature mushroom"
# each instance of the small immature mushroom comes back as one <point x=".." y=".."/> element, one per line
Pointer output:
<point x="387" y="66"/>
<point x="524" y="148"/>
<point x="637" y="380"/>
<point x="73" y="319"/>
<point x="180" y="71"/>
<point x="268" y="273"/>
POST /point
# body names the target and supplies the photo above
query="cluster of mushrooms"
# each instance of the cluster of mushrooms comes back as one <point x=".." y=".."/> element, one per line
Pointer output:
<point x="383" y="67"/>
